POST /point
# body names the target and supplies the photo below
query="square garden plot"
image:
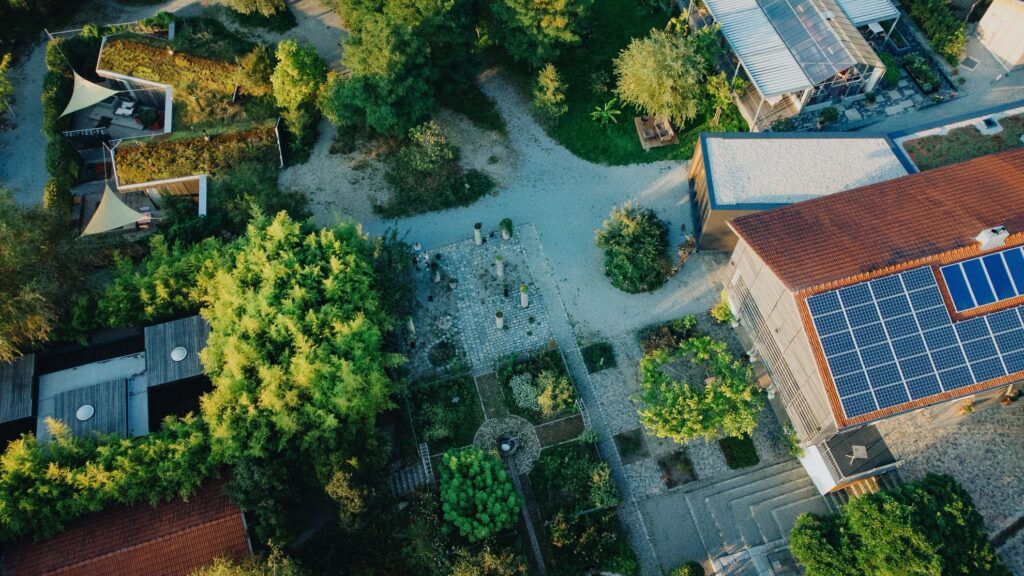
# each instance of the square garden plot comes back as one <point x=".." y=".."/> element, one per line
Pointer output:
<point x="676" y="469"/>
<point x="631" y="445"/>
<point x="739" y="452"/>
<point x="445" y="413"/>
<point x="598" y="356"/>
<point x="571" y="478"/>
<point x="538" y="387"/>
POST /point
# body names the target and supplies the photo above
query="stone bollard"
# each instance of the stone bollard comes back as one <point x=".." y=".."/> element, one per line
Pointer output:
<point x="478" y="235"/>
<point x="499" y="319"/>
<point x="499" y="266"/>
<point x="524" y="295"/>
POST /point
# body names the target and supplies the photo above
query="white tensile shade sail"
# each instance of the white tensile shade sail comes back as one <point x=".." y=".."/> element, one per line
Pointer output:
<point x="111" y="214"/>
<point x="86" y="94"/>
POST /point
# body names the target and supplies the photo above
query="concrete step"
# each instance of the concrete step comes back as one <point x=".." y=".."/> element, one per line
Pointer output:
<point x="742" y="508"/>
<point x="751" y="493"/>
<point x="786" y="516"/>
<point x="705" y="522"/>
<point x="762" y="512"/>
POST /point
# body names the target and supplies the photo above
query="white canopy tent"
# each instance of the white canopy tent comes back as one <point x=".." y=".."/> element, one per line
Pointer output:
<point x="111" y="214"/>
<point x="86" y="94"/>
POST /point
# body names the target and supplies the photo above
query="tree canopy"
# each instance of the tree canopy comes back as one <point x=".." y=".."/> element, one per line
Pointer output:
<point x="724" y="403"/>
<point x="635" y="244"/>
<point x="929" y="527"/>
<point x="261" y="7"/>
<point x="662" y="75"/>
<point x="477" y="496"/>
<point x="298" y="75"/>
<point x="295" y="358"/>
<point x="39" y="259"/>
<point x="537" y="30"/>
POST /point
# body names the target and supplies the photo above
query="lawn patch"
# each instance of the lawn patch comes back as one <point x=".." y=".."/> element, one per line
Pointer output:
<point x="599" y="356"/>
<point x="631" y="445"/>
<point x="676" y="468"/>
<point x="445" y="413"/>
<point x="739" y="452"/>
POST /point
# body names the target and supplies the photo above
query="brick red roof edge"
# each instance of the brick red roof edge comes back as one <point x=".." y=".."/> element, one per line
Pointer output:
<point x="170" y="539"/>
<point x="882" y="225"/>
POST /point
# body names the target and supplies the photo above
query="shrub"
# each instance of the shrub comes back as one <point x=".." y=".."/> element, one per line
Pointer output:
<point x="477" y="496"/>
<point x="721" y="312"/>
<point x="488" y="562"/>
<point x="302" y="125"/>
<point x="524" y="393"/>
<point x="635" y="244"/>
<point x="792" y="441"/>
<point x="57" y="196"/>
<point x="6" y="86"/>
<point x="536" y="32"/>
<point x="829" y="116"/>
<point x="739" y="452"/>
<point x="691" y="568"/>
<point x="892" y="70"/>
<point x="255" y="69"/>
<point x="603" y="493"/>
<point x="555" y="393"/>
<point x="921" y="71"/>
<point x="945" y="30"/>
<point x="425" y="175"/>
<point x="727" y="403"/>
<point x="549" y="93"/>
<point x="262" y="7"/>
<point x="581" y="543"/>
<point x="298" y="75"/>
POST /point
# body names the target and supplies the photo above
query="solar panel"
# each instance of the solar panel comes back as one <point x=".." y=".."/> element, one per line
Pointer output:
<point x="892" y="340"/>
<point x="893" y="307"/>
<point x="909" y="346"/>
<point x="979" y="349"/>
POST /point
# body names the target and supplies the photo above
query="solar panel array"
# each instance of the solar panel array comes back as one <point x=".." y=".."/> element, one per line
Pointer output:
<point x="891" y="341"/>
<point x="986" y="279"/>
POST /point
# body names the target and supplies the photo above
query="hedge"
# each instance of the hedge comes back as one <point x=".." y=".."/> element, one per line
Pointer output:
<point x="186" y="157"/>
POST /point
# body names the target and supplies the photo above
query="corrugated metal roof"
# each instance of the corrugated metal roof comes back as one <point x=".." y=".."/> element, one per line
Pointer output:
<point x="864" y="12"/>
<point x="766" y="58"/>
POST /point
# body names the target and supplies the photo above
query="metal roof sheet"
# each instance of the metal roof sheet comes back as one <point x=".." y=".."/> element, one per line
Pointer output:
<point x="863" y="12"/>
<point x="769" y="63"/>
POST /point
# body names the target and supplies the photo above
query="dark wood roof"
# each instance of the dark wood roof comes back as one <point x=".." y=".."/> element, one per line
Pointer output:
<point x="190" y="333"/>
<point x="872" y="228"/>
<point x="108" y="399"/>
<point x="16" y="388"/>
<point x="170" y="539"/>
<point x="841" y="445"/>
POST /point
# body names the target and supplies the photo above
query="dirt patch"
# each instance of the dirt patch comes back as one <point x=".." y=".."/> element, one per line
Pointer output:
<point x="631" y="446"/>
<point x="560" y="430"/>
<point x="490" y="395"/>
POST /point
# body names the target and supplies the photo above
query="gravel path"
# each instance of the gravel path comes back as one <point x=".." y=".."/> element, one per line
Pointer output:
<point x="567" y="199"/>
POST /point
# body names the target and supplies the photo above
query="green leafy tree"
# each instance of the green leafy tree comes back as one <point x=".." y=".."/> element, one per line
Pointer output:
<point x="549" y="93"/>
<point x="929" y="527"/>
<point x="6" y="86"/>
<point x="725" y="404"/>
<point x="477" y="496"/>
<point x="40" y="260"/>
<point x="295" y="358"/>
<point x="535" y="31"/>
<point x="662" y="75"/>
<point x="261" y="7"/>
<point x="488" y="562"/>
<point x="298" y="75"/>
<point x="635" y="244"/>
<point x="273" y="564"/>
<point x="46" y="485"/>
<point x="166" y="284"/>
<point x="255" y="69"/>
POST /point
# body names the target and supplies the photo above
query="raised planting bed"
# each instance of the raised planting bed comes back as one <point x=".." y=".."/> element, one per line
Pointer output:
<point x="676" y="469"/>
<point x="632" y="446"/>
<point x="445" y="413"/>
<point x="571" y="477"/>
<point x="559" y="431"/>
<point x="920" y="71"/>
<point x="739" y="452"/>
<point x="538" y="388"/>
<point x="173" y="158"/>
<point x="598" y="356"/>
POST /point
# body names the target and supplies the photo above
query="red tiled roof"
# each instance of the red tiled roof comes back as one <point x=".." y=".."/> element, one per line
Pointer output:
<point x="889" y="224"/>
<point x="170" y="539"/>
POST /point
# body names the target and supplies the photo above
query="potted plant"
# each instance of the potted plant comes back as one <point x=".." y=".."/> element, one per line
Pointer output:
<point x="499" y="265"/>
<point x="966" y="408"/>
<point x="499" y="319"/>
<point x="478" y="235"/>
<point x="524" y="295"/>
<point x="506" y="228"/>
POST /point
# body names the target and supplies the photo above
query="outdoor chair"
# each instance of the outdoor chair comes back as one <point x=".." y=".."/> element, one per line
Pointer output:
<point x="649" y="134"/>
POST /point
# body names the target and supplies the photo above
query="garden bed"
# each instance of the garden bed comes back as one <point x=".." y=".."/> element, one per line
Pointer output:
<point x="174" y="158"/>
<point x="545" y="366"/>
<point x="571" y="477"/>
<point x="676" y="469"/>
<point x="965" y="143"/>
<point x="632" y="446"/>
<point x="668" y="335"/>
<point x="445" y="413"/>
<point x="739" y="452"/>
<point x="598" y="356"/>
<point x="920" y="71"/>
<point x="560" y="431"/>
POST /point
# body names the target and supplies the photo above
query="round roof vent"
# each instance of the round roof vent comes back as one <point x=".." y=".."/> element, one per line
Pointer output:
<point x="179" y="353"/>
<point x="84" y="412"/>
